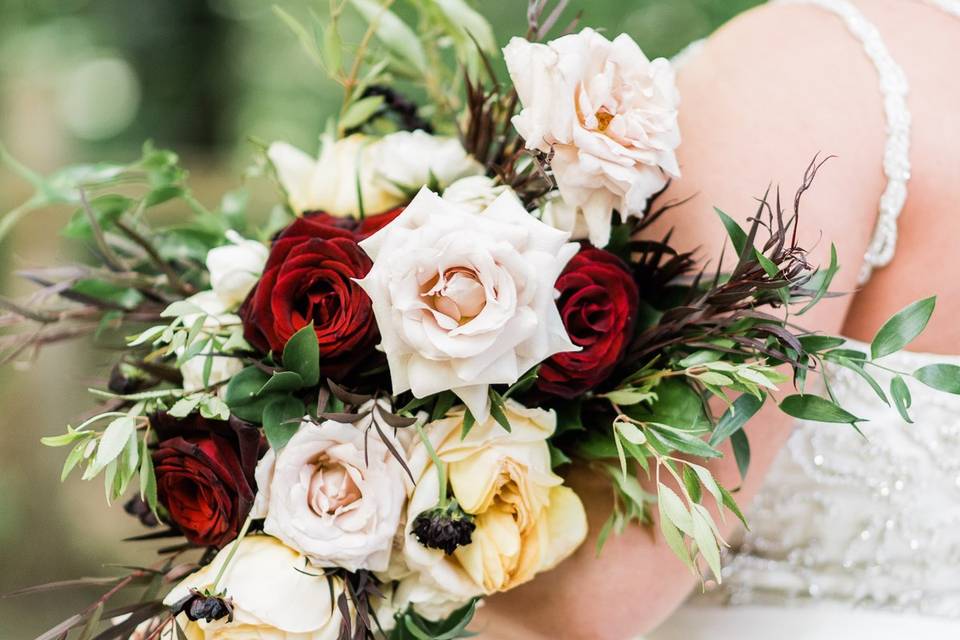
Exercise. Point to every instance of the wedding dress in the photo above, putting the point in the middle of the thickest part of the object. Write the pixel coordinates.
(853, 537)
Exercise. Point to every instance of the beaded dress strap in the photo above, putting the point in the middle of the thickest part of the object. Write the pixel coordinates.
(896, 155)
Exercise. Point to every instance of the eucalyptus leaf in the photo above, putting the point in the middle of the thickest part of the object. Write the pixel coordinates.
(942, 377)
(816, 409)
(394, 33)
(301, 354)
(900, 393)
(280, 420)
(902, 328)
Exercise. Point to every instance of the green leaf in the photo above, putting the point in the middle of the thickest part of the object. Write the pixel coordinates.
(524, 383)
(816, 409)
(741, 451)
(673, 507)
(394, 33)
(360, 111)
(63, 440)
(732, 505)
(942, 377)
(692, 484)
(557, 457)
(281, 382)
(703, 535)
(818, 343)
(734, 418)
(902, 328)
(468, 422)
(900, 393)
(442, 406)
(148, 479)
(497, 411)
(244, 388)
(113, 440)
(303, 35)
(107, 209)
(281, 420)
(737, 235)
(857, 368)
(332, 47)
(75, 456)
(302, 355)
(678, 405)
(823, 280)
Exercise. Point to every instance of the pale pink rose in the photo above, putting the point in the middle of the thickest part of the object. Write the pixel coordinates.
(464, 300)
(334, 493)
(608, 114)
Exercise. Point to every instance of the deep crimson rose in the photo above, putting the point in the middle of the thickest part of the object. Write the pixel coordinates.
(598, 303)
(205, 478)
(309, 278)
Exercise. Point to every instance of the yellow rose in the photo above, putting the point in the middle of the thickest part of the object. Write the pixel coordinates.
(272, 595)
(526, 521)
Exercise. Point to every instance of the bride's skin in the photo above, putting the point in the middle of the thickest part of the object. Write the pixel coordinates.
(772, 88)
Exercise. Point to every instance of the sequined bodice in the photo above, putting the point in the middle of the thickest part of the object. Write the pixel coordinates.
(872, 522)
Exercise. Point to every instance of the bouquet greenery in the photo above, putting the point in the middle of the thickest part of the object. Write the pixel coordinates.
(354, 418)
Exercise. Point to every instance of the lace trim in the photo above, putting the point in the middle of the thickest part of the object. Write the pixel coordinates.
(896, 156)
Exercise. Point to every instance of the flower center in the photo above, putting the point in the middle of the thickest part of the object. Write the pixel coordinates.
(332, 489)
(603, 119)
(456, 293)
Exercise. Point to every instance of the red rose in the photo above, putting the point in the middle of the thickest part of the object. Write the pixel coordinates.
(309, 278)
(598, 303)
(204, 471)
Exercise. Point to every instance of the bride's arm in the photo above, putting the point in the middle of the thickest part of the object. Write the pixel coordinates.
(769, 91)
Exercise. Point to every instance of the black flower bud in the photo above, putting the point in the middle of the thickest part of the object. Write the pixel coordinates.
(203, 606)
(136, 507)
(444, 527)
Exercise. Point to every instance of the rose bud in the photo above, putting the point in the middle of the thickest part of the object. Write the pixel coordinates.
(204, 472)
(444, 528)
(598, 303)
(201, 606)
(309, 277)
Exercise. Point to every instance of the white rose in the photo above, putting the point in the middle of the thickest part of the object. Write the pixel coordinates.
(526, 520)
(223, 367)
(235, 268)
(557, 213)
(273, 596)
(474, 193)
(387, 170)
(408, 160)
(334, 492)
(608, 114)
(466, 300)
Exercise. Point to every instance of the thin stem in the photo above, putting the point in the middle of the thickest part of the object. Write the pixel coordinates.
(145, 244)
(441, 469)
(231, 554)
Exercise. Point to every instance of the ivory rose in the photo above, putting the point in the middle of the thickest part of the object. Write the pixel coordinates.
(387, 170)
(466, 300)
(335, 493)
(526, 520)
(235, 268)
(608, 114)
(272, 594)
(474, 193)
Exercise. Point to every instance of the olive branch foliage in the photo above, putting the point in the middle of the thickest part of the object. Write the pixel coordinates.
(727, 336)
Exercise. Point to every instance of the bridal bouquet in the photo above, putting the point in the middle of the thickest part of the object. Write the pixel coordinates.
(354, 415)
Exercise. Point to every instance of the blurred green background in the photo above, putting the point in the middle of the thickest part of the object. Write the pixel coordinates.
(86, 80)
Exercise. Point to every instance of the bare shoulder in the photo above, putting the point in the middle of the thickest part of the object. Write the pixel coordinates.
(768, 92)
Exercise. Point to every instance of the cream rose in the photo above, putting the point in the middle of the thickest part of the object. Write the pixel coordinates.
(235, 268)
(466, 300)
(526, 520)
(608, 114)
(223, 367)
(474, 193)
(335, 493)
(387, 169)
(272, 595)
